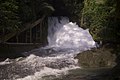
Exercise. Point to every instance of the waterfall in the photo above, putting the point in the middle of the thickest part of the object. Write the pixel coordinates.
(65, 40)
(65, 34)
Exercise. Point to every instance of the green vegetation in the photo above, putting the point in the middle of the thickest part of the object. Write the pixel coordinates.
(17, 16)
(99, 17)
(9, 19)
(74, 8)
(31, 10)
(102, 17)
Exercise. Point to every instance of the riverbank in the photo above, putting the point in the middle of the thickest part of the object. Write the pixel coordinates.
(88, 74)
(105, 56)
(15, 50)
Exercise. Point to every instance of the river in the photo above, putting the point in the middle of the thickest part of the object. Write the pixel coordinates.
(55, 61)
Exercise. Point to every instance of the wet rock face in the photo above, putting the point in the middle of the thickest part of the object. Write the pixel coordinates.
(101, 57)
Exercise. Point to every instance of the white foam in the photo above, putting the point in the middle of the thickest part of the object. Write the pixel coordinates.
(65, 39)
(7, 61)
(46, 66)
(65, 34)
(48, 72)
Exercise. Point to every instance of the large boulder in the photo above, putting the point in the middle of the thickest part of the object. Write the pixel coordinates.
(102, 57)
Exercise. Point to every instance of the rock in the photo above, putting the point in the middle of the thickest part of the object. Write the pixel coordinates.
(101, 57)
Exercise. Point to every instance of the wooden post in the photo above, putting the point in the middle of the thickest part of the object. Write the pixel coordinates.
(26, 36)
(6, 37)
(40, 32)
(36, 34)
(17, 39)
(3, 33)
(30, 35)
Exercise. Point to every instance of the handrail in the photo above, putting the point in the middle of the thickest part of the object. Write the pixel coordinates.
(27, 26)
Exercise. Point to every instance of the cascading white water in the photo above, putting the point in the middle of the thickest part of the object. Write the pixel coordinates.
(65, 40)
(65, 34)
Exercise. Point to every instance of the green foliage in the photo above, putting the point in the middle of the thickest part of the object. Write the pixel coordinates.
(100, 16)
(31, 10)
(14, 13)
(74, 7)
(96, 16)
(9, 20)
(46, 8)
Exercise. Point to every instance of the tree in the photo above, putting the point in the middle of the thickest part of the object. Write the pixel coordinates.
(98, 16)
(9, 19)
(74, 8)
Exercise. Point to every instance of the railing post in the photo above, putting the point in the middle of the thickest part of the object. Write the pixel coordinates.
(30, 35)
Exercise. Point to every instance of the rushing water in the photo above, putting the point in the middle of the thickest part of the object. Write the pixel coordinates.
(65, 39)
